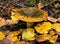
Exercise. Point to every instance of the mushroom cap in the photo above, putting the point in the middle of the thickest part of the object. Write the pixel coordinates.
(29, 14)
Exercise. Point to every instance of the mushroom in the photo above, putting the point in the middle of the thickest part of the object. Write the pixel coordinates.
(29, 14)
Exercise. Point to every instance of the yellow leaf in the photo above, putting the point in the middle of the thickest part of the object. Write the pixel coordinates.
(2, 36)
(28, 34)
(42, 38)
(53, 39)
(56, 26)
(44, 28)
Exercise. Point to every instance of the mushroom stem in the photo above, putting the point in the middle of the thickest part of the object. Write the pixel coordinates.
(29, 24)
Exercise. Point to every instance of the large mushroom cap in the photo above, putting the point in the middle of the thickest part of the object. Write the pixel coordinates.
(29, 14)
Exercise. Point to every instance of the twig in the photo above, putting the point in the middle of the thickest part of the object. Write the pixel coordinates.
(50, 3)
